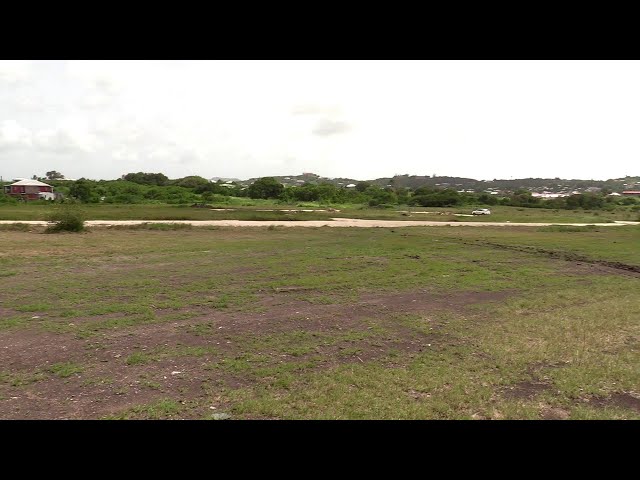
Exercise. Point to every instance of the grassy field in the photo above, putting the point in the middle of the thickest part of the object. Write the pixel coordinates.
(250, 210)
(321, 323)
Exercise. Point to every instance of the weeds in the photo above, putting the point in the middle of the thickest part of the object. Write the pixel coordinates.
(64, 370)
(66, 217)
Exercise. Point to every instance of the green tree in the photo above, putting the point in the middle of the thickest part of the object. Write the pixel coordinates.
(487, 199)
(380, 196)
(362, 186)
(82, 190)
(266, 187)
(437, 198)
(53, 175)
(193, 181)
(141, 178)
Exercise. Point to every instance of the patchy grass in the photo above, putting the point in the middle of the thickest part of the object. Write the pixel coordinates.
(321, 323)
(16, 227)
(161, 409)
(64, 370)
(19, 379)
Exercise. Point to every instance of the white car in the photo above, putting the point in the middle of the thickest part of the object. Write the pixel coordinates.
(481, 211)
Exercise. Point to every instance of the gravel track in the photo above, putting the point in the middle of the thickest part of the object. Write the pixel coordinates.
(334, 222)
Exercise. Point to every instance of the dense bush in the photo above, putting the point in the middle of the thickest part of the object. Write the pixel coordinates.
(191, 182)
(267, 187)
(66, 217)
(135, 188)
(438, 198)
(4, 198)
(147, 178)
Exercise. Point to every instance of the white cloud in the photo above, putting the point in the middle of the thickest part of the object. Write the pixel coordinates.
(14, 71)
(72, 136)
(29, 104)
(56, 141)
(95, 100)
(310, 109)
(14, 136)
(124, 154)
(326, 127)
(339, 118)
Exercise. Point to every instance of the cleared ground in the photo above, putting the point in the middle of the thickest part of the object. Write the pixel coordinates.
(332, 222)
(215, 322)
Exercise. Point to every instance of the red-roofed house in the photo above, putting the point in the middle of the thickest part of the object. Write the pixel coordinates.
(30, 190)
(631, 192)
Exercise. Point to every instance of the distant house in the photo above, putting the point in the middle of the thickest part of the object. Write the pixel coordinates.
(632, 193)
(548, 195)
(30, 190)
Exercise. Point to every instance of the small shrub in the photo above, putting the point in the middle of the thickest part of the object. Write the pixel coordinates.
(8, 199)
(66, 217)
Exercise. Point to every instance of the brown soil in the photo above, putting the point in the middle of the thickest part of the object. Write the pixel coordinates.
(525, 390)
(7, 312)
(108, 385)
(620, 400)
(554, 413)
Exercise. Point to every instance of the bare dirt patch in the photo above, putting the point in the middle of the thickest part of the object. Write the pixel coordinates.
(32, 348)
(553, 413)
(425, 300)
(108, 384)
(620, 400)
(582, 268)
(525, 390)
(538, 367)
(7, 312)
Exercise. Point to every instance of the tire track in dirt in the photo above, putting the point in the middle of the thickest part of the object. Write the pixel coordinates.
(615, 267)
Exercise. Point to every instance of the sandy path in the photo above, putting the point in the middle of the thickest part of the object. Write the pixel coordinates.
(334, 222)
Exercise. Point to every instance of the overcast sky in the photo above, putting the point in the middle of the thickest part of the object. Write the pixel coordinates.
(357, 119)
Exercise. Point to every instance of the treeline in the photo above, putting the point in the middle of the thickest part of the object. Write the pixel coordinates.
(142, 187)
(532, 184)
(586, 201)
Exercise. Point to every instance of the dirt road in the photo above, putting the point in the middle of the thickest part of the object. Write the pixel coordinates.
(334, 222)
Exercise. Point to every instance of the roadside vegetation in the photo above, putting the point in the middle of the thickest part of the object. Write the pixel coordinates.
(268, 210)
(161, 198)
(66, 217)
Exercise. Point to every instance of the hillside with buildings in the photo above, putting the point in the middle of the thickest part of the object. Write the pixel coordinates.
(549, 187)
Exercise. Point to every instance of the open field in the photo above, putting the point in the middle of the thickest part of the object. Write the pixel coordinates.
(252, 211)
(321, 323)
